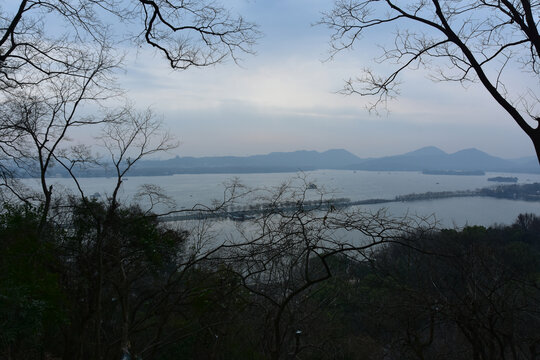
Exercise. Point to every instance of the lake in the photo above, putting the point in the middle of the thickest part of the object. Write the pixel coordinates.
(189, 189)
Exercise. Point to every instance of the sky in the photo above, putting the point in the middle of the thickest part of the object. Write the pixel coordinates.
(285, 97)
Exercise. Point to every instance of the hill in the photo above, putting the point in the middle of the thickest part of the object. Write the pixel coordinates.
(274, 162)
(427, 158)
(432, 158)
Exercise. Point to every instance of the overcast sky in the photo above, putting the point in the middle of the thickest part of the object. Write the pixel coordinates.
(284, 98)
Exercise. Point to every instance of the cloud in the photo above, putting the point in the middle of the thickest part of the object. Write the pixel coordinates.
(284, 98)
(293, 83)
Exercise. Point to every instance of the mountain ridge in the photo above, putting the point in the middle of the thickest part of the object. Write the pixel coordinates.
(431, 159)
(425, 158)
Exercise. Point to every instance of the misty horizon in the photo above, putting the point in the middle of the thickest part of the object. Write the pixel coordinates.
(278, 151)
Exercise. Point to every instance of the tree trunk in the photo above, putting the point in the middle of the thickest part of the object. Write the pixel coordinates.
(535, 137)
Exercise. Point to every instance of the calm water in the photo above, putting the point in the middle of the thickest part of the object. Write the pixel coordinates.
(188, 190)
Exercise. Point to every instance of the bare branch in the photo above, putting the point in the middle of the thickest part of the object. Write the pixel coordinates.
(470, 41)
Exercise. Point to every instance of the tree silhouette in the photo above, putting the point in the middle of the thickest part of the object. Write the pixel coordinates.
(187, 33)
(459, 41)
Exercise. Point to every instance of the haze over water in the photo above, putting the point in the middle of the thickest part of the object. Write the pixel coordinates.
(190, 189)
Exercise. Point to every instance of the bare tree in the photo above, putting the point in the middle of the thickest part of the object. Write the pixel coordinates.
(459, 41)
(194, 32)
(187, 33)
(57, 56)
(36, 122)
(284, 260)
(121, 265)
(31, 52)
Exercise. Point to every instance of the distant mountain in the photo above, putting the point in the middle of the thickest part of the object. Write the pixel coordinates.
(426, 151)
(274, 162)
(432, 158)
(428, 158)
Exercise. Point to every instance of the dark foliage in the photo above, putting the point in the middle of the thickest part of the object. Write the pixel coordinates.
(105, 283)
